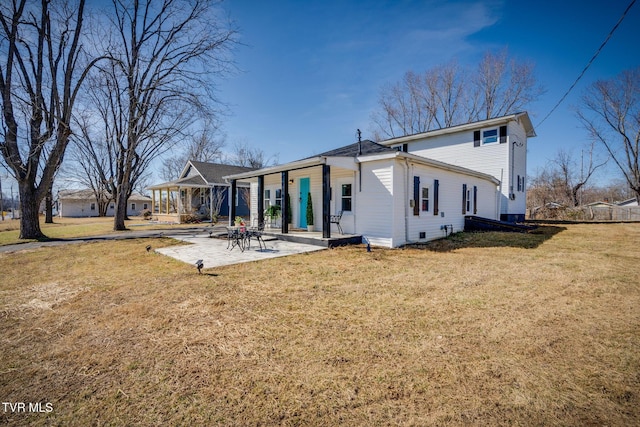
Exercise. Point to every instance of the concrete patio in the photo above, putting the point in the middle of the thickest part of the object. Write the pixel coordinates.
(214, 253)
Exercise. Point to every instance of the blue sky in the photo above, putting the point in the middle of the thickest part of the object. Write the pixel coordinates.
(311, 71)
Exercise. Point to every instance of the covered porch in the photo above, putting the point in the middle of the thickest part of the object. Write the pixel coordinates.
(182, 201)
(281, 196)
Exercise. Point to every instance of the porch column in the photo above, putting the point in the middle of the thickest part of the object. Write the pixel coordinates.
(232, 201)
(326, 201)
(167, 202)
(285, 201)
(261, 200)
(153, 201)
(211, 204)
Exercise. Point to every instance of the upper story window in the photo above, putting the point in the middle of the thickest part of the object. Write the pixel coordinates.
(490, 136)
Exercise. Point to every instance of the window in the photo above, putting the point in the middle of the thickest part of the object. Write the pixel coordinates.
(279, 197)
(133, 206)
(425, 199)
(93, 206)
(267, 199)
(346, 198)
(468, 200)
(145, 206)
(489, 136)
(111, 206)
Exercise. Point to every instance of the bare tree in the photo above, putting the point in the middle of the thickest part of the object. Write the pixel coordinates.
(573, 179)
(252, 157)
(204, 146)
(448, 95)
(165, 56)
(610, 111)
(39, 82)
(563, 180)
(91, 162)
(505, 86)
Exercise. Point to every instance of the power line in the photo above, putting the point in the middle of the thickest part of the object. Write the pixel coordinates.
(615, 27)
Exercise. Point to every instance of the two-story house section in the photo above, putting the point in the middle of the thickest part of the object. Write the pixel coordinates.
(497, 147)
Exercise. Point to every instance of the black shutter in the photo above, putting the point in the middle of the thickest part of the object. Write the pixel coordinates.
(476, 138)
(503, 134)
(464, 199)
(416, 195)
(405, 148)
(436, 188)
(475, 200)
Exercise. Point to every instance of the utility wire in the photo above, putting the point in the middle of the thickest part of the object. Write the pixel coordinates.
(615, 27)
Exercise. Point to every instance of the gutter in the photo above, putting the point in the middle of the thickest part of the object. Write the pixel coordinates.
(300, 164)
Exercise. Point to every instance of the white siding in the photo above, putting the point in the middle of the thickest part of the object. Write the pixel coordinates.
(386, 216)
(504, 161)
(375, 203)
(75, 208)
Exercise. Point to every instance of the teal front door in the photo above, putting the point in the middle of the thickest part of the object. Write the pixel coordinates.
(304, 194)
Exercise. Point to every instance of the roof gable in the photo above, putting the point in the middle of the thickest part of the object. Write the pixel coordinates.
(212, 173)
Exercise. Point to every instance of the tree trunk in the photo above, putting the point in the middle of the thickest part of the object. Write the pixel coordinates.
(29, 215)
(48, 207)
(121, 211)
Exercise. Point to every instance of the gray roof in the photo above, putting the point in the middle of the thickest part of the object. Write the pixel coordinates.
(213, 172)
(85, 194)
(358, 149)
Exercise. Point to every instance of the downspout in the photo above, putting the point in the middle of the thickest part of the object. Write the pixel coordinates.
(499, 201)
(406, 202)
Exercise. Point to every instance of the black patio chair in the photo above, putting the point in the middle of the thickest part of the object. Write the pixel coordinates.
(256, 233)
(335, 219)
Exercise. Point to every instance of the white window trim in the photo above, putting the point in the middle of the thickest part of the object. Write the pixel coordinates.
(338, 198)
(483, 137)
(428, 198)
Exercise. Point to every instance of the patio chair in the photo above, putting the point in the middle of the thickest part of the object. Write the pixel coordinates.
(335, 219)
(236, 237)
(256, 233)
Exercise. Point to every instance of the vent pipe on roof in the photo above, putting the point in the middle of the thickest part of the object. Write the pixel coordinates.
(359, 141)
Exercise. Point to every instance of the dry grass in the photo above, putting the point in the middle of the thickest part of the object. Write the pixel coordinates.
(482, 329)
(64, 228)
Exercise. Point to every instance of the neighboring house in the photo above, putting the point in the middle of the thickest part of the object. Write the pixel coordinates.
(497, 147)
(392, 193)
(629, 202)
(83, 203)
(599, 205)
(200, 192)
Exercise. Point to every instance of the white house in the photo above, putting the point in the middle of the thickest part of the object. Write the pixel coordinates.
(83, 203)
(497, 147)
(396, 192)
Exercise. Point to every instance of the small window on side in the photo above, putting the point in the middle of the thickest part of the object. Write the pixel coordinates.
(425, 199)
